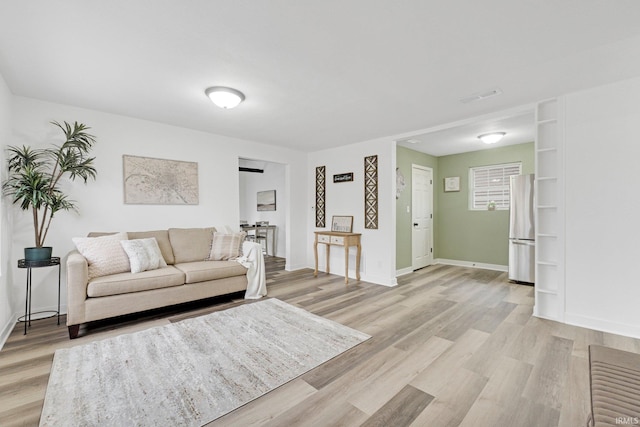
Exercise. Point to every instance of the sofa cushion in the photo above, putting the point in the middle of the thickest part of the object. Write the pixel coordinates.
(226, 246)
(191, 244)
(124, 283)
(144, 254)
(202, 271)
(162, 237)
(104, 254)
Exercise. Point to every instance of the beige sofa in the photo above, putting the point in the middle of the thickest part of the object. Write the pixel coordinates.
(188, 276)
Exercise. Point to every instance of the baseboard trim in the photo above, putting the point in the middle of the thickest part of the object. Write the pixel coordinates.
(540, 314)
(377, 280)
(295, 267)
(403, 271)
(6, 330)
(496, 267)
(627, 330)
(444, 261)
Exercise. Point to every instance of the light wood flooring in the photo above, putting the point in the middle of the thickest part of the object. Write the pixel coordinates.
(450, 346)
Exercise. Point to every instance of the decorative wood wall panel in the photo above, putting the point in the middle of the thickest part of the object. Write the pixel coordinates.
(321, 182)
(371, 192)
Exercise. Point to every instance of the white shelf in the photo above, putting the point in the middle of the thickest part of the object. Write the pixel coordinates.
(549, 169)
(547, 110)
(553, 264)
(547, 150)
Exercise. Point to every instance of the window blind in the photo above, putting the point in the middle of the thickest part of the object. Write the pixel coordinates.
(491, 184)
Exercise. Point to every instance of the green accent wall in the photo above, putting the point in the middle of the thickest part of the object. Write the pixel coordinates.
(404, 159)
(459, 233)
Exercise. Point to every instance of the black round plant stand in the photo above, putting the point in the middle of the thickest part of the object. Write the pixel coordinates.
(29, 265)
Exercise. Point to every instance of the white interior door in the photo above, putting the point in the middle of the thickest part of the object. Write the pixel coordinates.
(422, 216)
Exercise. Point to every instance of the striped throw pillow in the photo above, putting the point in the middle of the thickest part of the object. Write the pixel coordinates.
(226, 246)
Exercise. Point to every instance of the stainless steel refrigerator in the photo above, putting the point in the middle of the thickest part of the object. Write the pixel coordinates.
(521, 229)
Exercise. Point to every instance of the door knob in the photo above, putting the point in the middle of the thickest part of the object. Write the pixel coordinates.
(415, 224)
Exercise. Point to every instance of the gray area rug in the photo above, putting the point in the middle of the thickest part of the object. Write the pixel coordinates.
(191, 372)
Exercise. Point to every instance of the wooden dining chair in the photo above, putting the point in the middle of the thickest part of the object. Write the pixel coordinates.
(261, 235)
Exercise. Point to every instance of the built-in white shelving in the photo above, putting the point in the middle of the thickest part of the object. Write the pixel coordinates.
(549, 187)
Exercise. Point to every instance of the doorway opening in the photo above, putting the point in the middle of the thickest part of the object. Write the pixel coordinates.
(461, 236)
(263, 202)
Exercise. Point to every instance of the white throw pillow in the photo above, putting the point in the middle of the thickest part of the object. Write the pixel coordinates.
(104, 254)
(226, 246)
(144, 254)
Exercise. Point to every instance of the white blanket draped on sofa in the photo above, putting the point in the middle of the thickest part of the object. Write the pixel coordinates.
(253, 259)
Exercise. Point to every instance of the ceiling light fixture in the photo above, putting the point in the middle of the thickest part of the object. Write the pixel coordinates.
(491, 138)
(224, 97)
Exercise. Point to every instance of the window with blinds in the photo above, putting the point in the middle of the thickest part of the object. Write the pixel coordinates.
(490, 185)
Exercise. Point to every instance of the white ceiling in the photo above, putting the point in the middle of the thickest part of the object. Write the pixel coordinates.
(463, 137)
(316, 73)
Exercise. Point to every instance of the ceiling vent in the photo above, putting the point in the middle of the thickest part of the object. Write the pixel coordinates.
(481, 95)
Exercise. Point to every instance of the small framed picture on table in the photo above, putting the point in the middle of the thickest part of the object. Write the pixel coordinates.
(343, 224)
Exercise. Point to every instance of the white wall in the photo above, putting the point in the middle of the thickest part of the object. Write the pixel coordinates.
(603, 208)
(273, 178)
(347, 198)
(7, 316)
(101, 202)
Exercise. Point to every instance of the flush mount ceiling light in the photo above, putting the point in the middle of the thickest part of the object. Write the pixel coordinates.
(224, 97)
(491, 138)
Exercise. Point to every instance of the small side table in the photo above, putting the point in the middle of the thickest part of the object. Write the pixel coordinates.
(29, 265)
(338, 238)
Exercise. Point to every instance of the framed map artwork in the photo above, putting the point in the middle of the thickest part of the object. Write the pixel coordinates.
(150, 181)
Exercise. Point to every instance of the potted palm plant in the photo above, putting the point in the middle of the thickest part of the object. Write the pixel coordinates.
(34, 177)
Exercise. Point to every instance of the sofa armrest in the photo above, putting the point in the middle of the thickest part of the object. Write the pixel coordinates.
(77, 280)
